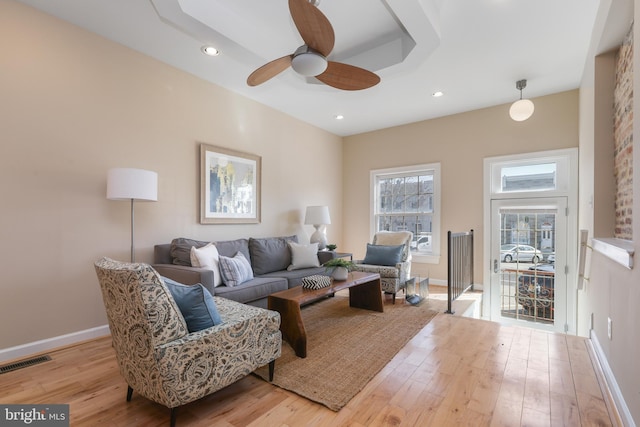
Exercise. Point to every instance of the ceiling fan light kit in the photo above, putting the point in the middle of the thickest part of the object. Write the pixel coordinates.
(522, 109)
(310, 60)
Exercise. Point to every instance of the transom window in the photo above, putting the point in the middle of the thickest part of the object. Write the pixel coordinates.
(408, 199)
(522, 174)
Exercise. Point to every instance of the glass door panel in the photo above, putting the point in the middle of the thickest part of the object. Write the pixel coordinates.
(528, 236)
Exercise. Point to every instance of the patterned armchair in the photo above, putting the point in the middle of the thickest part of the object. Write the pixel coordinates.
(159, 358)
(393, 275)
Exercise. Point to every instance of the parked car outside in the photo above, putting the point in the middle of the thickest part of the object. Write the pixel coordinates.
(551, 258)
(524, 253)
(421, 244)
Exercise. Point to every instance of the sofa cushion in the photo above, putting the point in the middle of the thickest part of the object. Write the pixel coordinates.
(235, 270)
(162, 254)
(181, 250)
(383, 254)
(270, 254)
(230, 248)
(196, 305)
(303, 256)
(294, 277)
(207, 257)
(256, 289)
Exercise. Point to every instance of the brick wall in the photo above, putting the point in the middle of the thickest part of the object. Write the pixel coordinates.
(623, 138)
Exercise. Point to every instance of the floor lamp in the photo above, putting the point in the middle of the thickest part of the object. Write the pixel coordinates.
(132, 184)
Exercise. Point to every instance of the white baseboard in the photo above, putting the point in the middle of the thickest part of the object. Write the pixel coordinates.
(41, 346)
(616, 393)
(445, 282)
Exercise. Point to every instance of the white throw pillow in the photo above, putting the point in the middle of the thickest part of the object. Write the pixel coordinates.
(207, 257)
(303, 256)
(235, 271)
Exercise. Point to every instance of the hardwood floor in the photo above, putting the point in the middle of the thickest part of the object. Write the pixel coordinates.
(456, 371)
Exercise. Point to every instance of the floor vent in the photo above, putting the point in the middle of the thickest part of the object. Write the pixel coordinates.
(23, 364)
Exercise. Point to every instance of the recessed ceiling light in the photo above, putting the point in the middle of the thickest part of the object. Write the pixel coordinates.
(339, 117)
(437, 94)
(210, 50)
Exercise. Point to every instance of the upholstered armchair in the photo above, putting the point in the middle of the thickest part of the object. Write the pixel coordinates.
(157, 355)
(390, 256)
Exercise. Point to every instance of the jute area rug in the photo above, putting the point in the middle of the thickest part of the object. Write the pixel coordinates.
(346, 347)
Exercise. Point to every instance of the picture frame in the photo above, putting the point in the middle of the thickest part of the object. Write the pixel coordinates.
(229, 186)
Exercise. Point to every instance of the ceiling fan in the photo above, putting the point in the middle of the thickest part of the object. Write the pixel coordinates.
(310, 59)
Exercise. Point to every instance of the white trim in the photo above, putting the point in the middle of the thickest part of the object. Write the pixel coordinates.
(35, 347)
(563, 159)
(620, 251)
(616, 393)
(567, 176)
(436, 282)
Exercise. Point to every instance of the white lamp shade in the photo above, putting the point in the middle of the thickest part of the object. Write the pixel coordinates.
(317, 215)
(129, 183)
(521, 110)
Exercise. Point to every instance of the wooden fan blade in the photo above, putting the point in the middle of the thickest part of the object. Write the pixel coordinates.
(269, 70)
(348, 77)
(313, 26)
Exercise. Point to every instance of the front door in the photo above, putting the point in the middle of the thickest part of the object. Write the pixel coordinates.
(528, 241)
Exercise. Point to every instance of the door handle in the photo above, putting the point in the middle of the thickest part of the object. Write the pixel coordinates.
(495, 266)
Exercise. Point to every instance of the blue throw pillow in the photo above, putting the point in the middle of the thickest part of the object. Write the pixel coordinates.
(383, 254)
(196, 305)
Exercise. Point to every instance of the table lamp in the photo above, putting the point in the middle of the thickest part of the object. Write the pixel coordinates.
(319, 217)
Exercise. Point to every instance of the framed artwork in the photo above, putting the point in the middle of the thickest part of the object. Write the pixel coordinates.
(229, 186)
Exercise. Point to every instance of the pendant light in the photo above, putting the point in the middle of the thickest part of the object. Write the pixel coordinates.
(522, 109)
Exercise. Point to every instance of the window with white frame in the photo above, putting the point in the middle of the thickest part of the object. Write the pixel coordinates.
(408, 198)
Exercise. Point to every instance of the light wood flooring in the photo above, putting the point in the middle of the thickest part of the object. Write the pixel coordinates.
(456, 371)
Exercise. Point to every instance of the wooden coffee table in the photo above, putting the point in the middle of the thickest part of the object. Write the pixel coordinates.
(364, 292)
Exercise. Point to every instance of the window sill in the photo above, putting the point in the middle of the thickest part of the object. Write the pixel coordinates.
(618, 250)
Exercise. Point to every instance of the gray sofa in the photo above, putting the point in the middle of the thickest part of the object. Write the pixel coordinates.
(269, 258)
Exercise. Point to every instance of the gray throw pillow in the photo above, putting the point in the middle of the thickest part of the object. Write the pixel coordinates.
(230, 248)
(383, 254)
(181, 250)
(270, 254)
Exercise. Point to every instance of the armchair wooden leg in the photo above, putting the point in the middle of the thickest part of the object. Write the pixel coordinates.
(129, 393)
(272, 366)
(394, 298)
(174, 413)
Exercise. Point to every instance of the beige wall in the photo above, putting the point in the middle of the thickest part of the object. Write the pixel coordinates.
(73, 105)
(611, 291)
(460, 143)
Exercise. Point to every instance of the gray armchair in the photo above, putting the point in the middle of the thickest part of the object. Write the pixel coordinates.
(157, 355)
(394, 268)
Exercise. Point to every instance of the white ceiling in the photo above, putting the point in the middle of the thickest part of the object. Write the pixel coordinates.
(472, 50)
